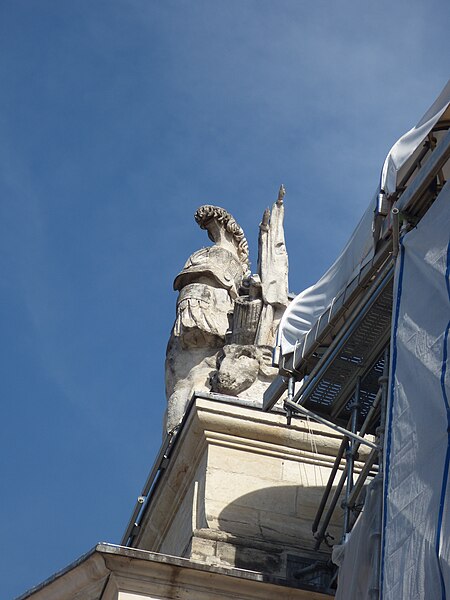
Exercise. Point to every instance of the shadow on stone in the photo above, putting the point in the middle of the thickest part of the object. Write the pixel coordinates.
(270, 531)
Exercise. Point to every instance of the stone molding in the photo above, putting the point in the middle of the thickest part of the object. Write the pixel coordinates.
(240, 486)
(112, 572)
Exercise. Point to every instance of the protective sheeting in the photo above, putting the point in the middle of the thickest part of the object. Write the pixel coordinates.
(306, 308)
(310, 304)
(416, 523)
(358, 558)
(398, 158)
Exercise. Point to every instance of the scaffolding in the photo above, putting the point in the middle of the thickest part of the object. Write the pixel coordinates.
(338, 372)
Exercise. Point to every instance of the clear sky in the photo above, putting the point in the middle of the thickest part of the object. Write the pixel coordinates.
(118, 118)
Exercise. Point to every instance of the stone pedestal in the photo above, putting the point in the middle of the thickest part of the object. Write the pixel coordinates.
(229, 517)
(241, 489)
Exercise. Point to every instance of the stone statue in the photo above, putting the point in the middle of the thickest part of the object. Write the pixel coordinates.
(245, 364)
(208, 285)
(224, 332)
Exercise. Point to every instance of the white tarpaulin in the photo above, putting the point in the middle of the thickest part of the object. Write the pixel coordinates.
(407, 144)
(358, 577)
(309, 305)
(416, 523)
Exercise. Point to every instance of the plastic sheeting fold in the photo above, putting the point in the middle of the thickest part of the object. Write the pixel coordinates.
(416, 523)
(405, 147)
(310, 304)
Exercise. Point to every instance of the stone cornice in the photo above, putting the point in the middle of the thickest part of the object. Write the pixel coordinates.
(109, 569)
(216, 423)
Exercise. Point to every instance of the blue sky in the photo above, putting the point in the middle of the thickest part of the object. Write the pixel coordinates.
(118, 119)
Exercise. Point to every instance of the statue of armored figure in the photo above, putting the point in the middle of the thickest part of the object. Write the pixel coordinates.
(226, 318)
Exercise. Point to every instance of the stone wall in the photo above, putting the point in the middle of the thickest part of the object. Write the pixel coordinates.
(241, 490)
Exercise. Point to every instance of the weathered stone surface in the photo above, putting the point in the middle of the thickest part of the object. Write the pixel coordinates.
(186, 372)
(240, 489)
(273, 271)
(238, 369)
(207, 285)
(247, 312)
(243, 370)
(225, 326)
(202, 315)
